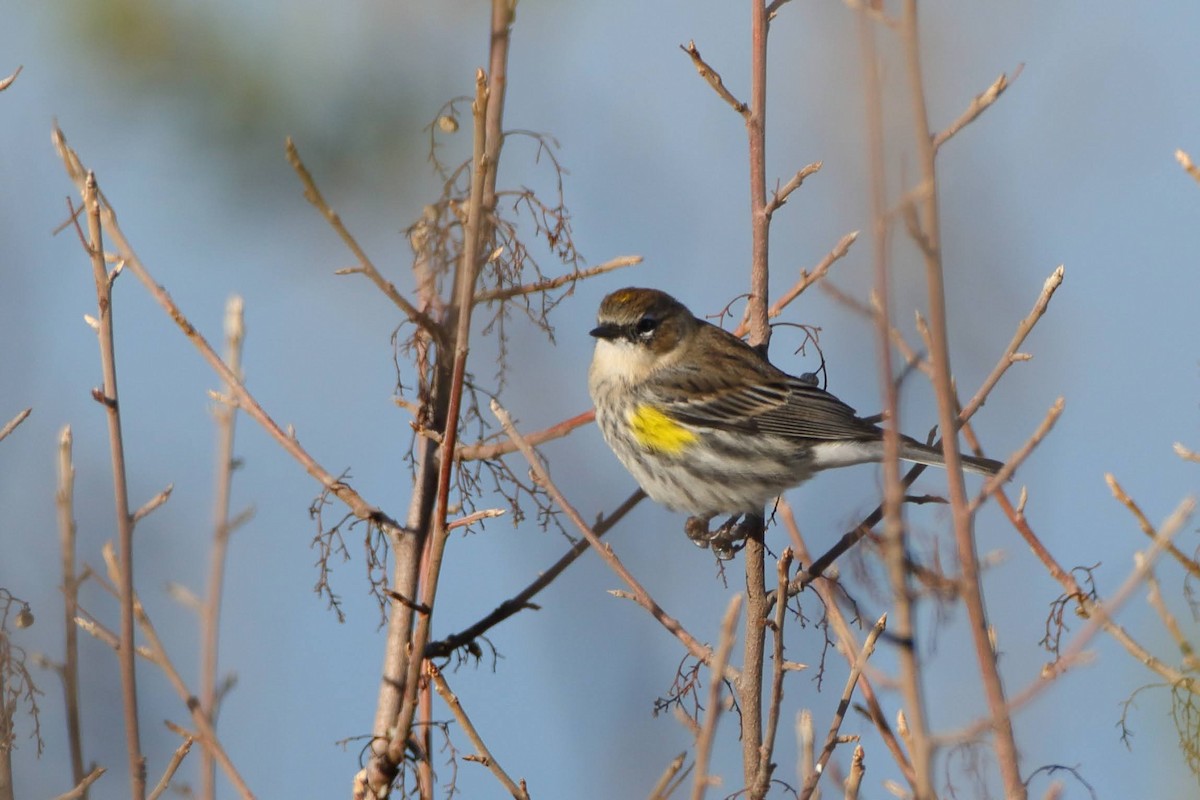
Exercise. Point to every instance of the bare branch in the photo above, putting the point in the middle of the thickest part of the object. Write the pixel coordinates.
(12, 424)
(238, 391)
(522, 599)
(177, 758)
(225, 416)
(638, 592)
(659, 792)
(471, 519)
(1186, 454)
(81, 788)
(1099, 616)
(1006, 472)
(157, 653)
(6, 82)
(714, 79)
(1147, 527)
(780, 195)
(125, 520)
(153, 503)
(831, 738)
(702, 780)
(1009, 357)
(1185, 161)
(979, 104)
(548, 284)
(484, 452)
(313, 195)
(485, 756)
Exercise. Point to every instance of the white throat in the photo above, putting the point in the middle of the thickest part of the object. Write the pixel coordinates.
(619, 360)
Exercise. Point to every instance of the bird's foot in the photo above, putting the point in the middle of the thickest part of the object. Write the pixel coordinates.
(725, 541)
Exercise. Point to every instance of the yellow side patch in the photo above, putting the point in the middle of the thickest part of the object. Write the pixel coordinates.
(654, 430)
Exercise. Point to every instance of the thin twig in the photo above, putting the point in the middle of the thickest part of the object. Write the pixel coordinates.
(485, 452)
(714, 79)
(848, 646)
(1088, 607)
(547, 284)
(157, 653)
(125, 522)
(894, 486)
(702, 780)
(928, 237)
(778, 667)
(523, 599)
(313, 195)
(835, 725)
(65, 501)
(780, 195)
(1186, 453)
(485, 756)
(225, 415)
(638, 593)
(980, 103)
(245, 400)
(1100, 616)
(5, 83)
(81, 787)
(1124, 499)
(148, 507)
(12, 424)
(857, 770)
(471, 519)
(805, 280)
(659, 792)
(177, 758)
(998, 480)
(1009, 357)
(1186, 162)
(1169, 620)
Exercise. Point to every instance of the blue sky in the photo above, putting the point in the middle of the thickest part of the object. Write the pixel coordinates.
(1073, 166)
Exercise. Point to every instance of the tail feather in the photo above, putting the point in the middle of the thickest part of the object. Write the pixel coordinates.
(844, 453)
(912, 450)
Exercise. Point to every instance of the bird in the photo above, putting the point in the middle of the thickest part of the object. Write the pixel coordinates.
(708, 426)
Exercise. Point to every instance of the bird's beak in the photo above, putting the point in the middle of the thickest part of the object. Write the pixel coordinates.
(606, 331)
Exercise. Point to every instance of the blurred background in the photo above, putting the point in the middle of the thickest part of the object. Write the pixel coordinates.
(182, 110)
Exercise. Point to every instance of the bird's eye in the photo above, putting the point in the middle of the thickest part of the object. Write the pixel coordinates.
(646, 326)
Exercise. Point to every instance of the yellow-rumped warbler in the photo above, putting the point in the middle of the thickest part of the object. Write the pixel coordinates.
(708, 426)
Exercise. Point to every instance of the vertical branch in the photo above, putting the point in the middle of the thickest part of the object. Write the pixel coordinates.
(702, 780)
(895, 540)
(65, 499)
(225, 413)
(760, 218)
(751, 683)
(108, 398)
(419, 552)
(928, 234)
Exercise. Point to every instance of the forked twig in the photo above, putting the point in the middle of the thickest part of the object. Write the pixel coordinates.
(484, 755)
(244, 398)
(831, 738)
(313, 195)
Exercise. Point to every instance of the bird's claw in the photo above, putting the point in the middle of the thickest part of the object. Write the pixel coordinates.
(725, 541)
